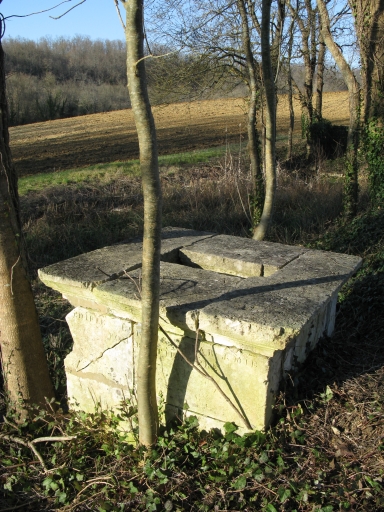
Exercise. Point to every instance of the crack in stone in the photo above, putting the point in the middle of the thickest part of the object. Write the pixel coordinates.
(102, 354)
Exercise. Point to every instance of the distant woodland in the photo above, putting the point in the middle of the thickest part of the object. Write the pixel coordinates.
(57, 78)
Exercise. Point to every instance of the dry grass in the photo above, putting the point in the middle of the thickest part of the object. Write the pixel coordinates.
(67, 220)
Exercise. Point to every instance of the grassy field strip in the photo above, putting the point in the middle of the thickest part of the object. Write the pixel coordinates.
(110, 171)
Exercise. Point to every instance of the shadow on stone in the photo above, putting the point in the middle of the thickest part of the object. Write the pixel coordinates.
(178, 381)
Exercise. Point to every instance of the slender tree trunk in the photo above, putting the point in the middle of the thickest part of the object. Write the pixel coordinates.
(351, 172)
(369, 23)
(257, 197)
(137, 86)
(270, 124)
(22, 353)
(309, 54)
(290, 94)
(320, 78)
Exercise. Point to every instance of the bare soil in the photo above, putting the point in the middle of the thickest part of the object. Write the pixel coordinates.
(111, 136)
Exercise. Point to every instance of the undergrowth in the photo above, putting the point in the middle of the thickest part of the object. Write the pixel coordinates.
(325, 450)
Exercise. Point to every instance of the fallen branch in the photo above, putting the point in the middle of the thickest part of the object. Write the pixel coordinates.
(30, 444)
(53, 439)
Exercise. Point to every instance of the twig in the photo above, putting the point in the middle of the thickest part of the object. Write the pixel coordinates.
(29, 445)
(53, 439)
(13, 266)
(137, 284)
(8, 422)
(203, 372)
(66, 12)
(119, 13)
(30, 463)
(38, 12)
(151, 56)
(76, 500)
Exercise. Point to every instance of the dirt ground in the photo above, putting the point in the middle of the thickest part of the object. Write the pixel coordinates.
(111, 136)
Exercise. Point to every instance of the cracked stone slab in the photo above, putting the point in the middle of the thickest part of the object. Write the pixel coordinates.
(239, 256)
(79, 275)
(272, 311)
(184, 291)
(102, 345)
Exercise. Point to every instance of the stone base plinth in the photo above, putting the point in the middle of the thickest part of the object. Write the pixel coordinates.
(242, 312)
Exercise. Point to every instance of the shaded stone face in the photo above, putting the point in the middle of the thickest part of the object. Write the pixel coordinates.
(242, 312)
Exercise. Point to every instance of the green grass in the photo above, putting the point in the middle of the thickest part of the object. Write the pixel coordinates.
(114, 170)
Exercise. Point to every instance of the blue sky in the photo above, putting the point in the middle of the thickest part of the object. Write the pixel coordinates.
(94, 18)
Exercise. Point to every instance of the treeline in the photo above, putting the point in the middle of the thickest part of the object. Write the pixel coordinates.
(57, 78)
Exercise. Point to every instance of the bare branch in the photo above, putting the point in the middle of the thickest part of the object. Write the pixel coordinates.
(151, 56)
(119, 13)
(29, 445)
(52, 439)
(66, 12)
(38, 12)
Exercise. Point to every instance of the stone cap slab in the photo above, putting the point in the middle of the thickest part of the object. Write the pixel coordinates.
(184, 291)
(274, 309)
(79, 275)
(252, 311)
(239, 256)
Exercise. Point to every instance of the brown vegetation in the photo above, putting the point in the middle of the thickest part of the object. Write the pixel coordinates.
(111, 136)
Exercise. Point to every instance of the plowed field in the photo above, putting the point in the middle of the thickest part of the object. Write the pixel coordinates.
(111, 136)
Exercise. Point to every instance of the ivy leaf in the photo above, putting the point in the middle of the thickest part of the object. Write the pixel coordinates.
(240, 483)
(284, 494)
(132, 488)
(263, 458)
(230, 427)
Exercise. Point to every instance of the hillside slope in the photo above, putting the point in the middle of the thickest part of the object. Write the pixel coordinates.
(111, 136)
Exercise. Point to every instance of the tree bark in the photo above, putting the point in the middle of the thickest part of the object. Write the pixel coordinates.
(270, 124)
(23, 358)
(351, 173)
(145, 126)
(257, 197)
(320, 78)
(369, 23)
(309, 53)
(290, 93)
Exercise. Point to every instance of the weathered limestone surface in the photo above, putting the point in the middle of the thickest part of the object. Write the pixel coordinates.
(100, 368)
(248, 311)
(244, 259)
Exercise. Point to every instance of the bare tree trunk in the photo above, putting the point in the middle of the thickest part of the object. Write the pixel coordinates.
(290, 94)
(309, 54)
(320, 78)
(23, 358)
(257, 197)
(369, 23)
(351, 173)
(137, 86)
(270, 124)
(375, 72)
